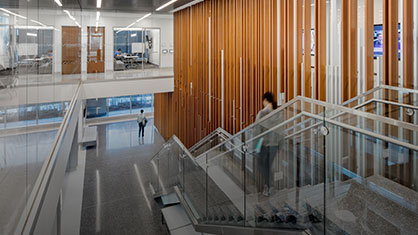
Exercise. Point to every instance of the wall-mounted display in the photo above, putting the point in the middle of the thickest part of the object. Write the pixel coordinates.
(378, 40)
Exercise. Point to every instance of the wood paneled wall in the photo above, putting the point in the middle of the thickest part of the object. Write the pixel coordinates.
(246, 32)
(390, 42)
(408, 41)
(291, 48)
(349, 53)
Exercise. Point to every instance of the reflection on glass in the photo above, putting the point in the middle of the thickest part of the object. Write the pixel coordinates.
(145, 102)
(103, 107)
(34, 50)
(136, 48)
(119, 105)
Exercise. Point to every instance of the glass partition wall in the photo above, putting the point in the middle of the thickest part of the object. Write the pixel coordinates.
(31, 52)
(136, 48)
(114, 106)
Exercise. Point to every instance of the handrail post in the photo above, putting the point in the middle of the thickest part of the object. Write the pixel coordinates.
(243, 163)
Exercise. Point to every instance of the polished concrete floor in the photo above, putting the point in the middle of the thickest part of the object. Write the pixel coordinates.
(117, 197)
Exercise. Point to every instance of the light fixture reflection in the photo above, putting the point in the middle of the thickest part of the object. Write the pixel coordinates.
(165, 5)
(58, 2)
(12, 13)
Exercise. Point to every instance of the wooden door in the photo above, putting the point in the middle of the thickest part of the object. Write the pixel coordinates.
(96, 50)
(71, 50)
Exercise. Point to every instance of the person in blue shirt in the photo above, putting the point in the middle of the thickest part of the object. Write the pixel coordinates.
(118, 54)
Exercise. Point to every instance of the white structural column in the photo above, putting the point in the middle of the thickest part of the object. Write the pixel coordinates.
(334, 55)
(222, 89)
(415, 173)
(279, 100)
(209, 71)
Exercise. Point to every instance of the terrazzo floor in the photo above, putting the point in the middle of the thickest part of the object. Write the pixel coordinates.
(117, 197)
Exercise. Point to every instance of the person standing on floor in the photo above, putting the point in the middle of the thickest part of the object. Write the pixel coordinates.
(266, 146)
(142, 121)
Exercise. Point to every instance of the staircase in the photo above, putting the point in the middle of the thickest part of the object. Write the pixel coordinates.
(329, 173)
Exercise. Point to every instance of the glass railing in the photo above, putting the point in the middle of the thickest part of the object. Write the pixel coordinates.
(309, 166)
(388, 101)
(36, 209)
(216, 137)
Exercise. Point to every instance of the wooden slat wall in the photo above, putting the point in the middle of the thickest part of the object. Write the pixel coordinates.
(307, 41)
(408, 41)
(349, 46)
(369, 47)
(242, 29)
(320, 49)
(390, 42)
(247, 30)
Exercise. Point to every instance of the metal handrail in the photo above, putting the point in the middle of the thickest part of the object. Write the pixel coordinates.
(343, 109)
(327, 105)
(337, 123)
(386, 102)
(41, 185)
(217, 131)
(294, 100)
(380, 87)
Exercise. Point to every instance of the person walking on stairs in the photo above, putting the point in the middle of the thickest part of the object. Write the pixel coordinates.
(266, 146)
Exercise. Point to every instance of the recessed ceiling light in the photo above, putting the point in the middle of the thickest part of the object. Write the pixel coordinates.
(97, 15)
(12, 13)
(165, 5)
(58, 2)
(145, 16)
(69, 15)
(37, 22)
(32, 34)
(99, 4)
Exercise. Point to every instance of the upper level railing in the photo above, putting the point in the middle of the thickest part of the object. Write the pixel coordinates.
(40, 212)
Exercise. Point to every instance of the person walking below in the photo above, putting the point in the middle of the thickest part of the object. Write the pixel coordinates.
(142, 121)
(266, 144)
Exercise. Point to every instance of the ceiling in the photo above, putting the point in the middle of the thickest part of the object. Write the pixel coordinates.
(107, 5)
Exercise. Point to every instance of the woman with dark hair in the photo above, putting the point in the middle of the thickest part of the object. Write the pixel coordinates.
(267, 143)
(268, 105)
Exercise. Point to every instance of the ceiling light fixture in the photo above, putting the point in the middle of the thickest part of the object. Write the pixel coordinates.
(58, 2)
(130, 25)
(133, 35)
(37, 22)
(97, 15)
(127, 29)
(165, 5)
(32, 34)
(12, 13)
(69, 15)
(145, 16)
(34, 27)
(99, 4)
